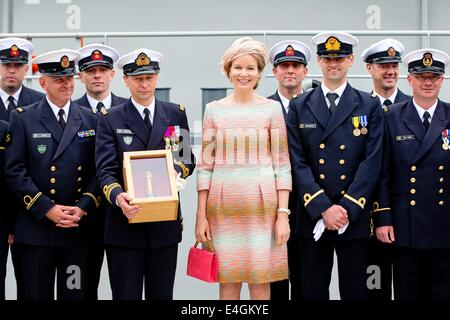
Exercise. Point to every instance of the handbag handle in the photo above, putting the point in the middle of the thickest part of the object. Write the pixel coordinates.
(208, 245)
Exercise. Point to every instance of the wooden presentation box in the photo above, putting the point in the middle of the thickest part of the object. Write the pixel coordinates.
(150, 181)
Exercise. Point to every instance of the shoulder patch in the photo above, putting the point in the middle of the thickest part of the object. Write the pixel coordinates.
(20, 109)
(385, 108)
(181, 108)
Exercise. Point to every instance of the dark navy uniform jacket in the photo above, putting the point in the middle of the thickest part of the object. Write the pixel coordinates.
(400, 97)
(293, 195)
(121, 125)
(46, 166)
(5, 211)
(115, 101)
(414, 191)
(330, 164)
(27, 96)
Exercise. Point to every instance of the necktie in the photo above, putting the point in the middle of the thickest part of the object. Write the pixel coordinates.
(147, 120)
(332, 98)
(426, 119)
(387, 102)
(61, 120)
(100, 105)
(11, 104)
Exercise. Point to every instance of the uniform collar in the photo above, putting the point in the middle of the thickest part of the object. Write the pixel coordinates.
(56, 109)
(391, 98)
(421, 111)
(93, 102)
(4, 96)
(140, 108)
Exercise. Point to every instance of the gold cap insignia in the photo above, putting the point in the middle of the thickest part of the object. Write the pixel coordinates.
(142, 60)
(391, 52)
(427, 59)
(14, 51)
(332, 44)
(96, 55)
(289, 51)
(65, 63)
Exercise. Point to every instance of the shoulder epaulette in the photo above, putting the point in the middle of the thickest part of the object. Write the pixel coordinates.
(181, 107)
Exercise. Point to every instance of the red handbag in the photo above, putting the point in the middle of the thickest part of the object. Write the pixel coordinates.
(202, 264)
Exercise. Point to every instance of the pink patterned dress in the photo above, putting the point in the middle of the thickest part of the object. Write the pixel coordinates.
(244, 161)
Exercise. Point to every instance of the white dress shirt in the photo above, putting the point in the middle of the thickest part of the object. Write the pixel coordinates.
(140, 108)
(4, 96)
(339, 91)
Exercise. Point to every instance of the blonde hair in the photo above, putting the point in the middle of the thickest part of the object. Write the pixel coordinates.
(241, 47)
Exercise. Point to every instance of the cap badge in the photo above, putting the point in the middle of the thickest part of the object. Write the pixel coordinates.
(14, 51)
(289, 51)
(427, 59)
(142, 60)
(65, 63)
(96, 55)
(332, 44)
(391, 52)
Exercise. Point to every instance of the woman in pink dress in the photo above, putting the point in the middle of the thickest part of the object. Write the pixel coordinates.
(244, 179)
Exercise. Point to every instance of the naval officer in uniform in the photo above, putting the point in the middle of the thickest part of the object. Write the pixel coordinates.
(96, 66)
(382, 62)
(50, 168)
(143, 123)
(289, 59)
(412, 214)
(14, 57)
(335, 139)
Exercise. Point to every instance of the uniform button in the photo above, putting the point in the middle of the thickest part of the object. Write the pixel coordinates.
(441, 191)
(322, 176)
(79, 168)
(440, 168)
(413, 180)
(441, 179)
(341, 162)
(52, 180)
(321, 161)
(343, 177)
(322, 146)
(342, 147)
(413, 168)
(79, 179)
(441, 203)
(343, 192)
(412, 202)
(413, 191)
(79, 189)
(52, 191)
(53, 168)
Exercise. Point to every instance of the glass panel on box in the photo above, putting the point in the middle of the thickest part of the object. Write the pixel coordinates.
(150, 177)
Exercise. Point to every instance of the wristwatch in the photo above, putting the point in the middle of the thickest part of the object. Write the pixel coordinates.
(284, 211)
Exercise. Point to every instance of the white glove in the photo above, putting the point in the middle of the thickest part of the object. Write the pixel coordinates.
(180, 182)
(320, 228)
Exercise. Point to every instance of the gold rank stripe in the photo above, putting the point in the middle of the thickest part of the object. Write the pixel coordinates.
(108, 188)
(96, 200)
(376, 208)
(307, 198)
(361, 202)
(184, 168)
(30, 201)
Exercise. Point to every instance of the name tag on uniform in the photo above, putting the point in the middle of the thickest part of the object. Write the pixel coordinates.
(307, 125)
(124, 131)
(41, 135)
(408, 137)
